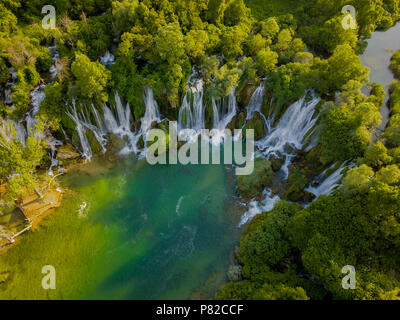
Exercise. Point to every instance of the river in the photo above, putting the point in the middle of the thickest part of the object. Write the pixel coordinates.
(377, 55)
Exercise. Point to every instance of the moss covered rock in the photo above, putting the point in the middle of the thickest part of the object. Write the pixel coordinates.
(277, 162)
(67, 152)
(257, 124)
(115, 142)
(253, 185)
(297, 183)
(245, 92)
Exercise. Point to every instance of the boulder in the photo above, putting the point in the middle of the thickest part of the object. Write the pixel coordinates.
(67, 152)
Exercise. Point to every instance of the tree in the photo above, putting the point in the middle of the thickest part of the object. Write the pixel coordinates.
(279, 292)
(377, 155)
(235, 12)
(19, 160)
(266, 242)
(269, 28)
(8, 21)
(4, 72)
(169, 43)
(358, 179)
(196, 43)
(289, 81)
(284, 39)
(389, 174)
(92, 78)
(342, 66)
(231, 42)
(395, 64)
(255, 43)
(266, 60)
(225, 80)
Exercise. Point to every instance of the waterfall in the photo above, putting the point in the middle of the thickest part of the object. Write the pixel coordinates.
(121, 125)
(289, 135)
(55, 56)
(329, 183)
(108, 59)
(80, 129)
(228, 112)
(37, 96)
(255, 105)
(152, 114)
(20, 131)
(256, 101)
(192, 115)
(231, 111)
(285, 139)
(118, 123)
(257, 207)
(53, 144)
(215, 114)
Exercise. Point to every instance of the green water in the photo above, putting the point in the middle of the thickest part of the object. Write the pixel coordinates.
(147, 232)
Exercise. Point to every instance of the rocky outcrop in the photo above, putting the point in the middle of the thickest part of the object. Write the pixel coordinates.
(67, 152)
(253, 185)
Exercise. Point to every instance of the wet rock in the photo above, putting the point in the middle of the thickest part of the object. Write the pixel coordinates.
(67, 152)
(308, 196)
(257, 124)
(277, 162)
(115, 142)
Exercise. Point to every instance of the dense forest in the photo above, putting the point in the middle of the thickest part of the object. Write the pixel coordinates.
(296, 47)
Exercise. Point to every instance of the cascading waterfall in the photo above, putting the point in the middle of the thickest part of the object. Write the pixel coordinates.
(119, 124)
(55, 56)
(328, 184)
(290, 133)
(20, 131)
(256, 101)
(36, 96)
(81, 131)
(192, 111)
(227, 117)
(256, 207)
(9, 86)
(108, 59)
(53, 144)
(228, 112)
(152, 113)
(192, 115)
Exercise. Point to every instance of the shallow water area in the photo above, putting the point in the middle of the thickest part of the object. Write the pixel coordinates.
(128, 230)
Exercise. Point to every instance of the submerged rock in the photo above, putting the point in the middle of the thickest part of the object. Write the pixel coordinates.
(115, 142)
